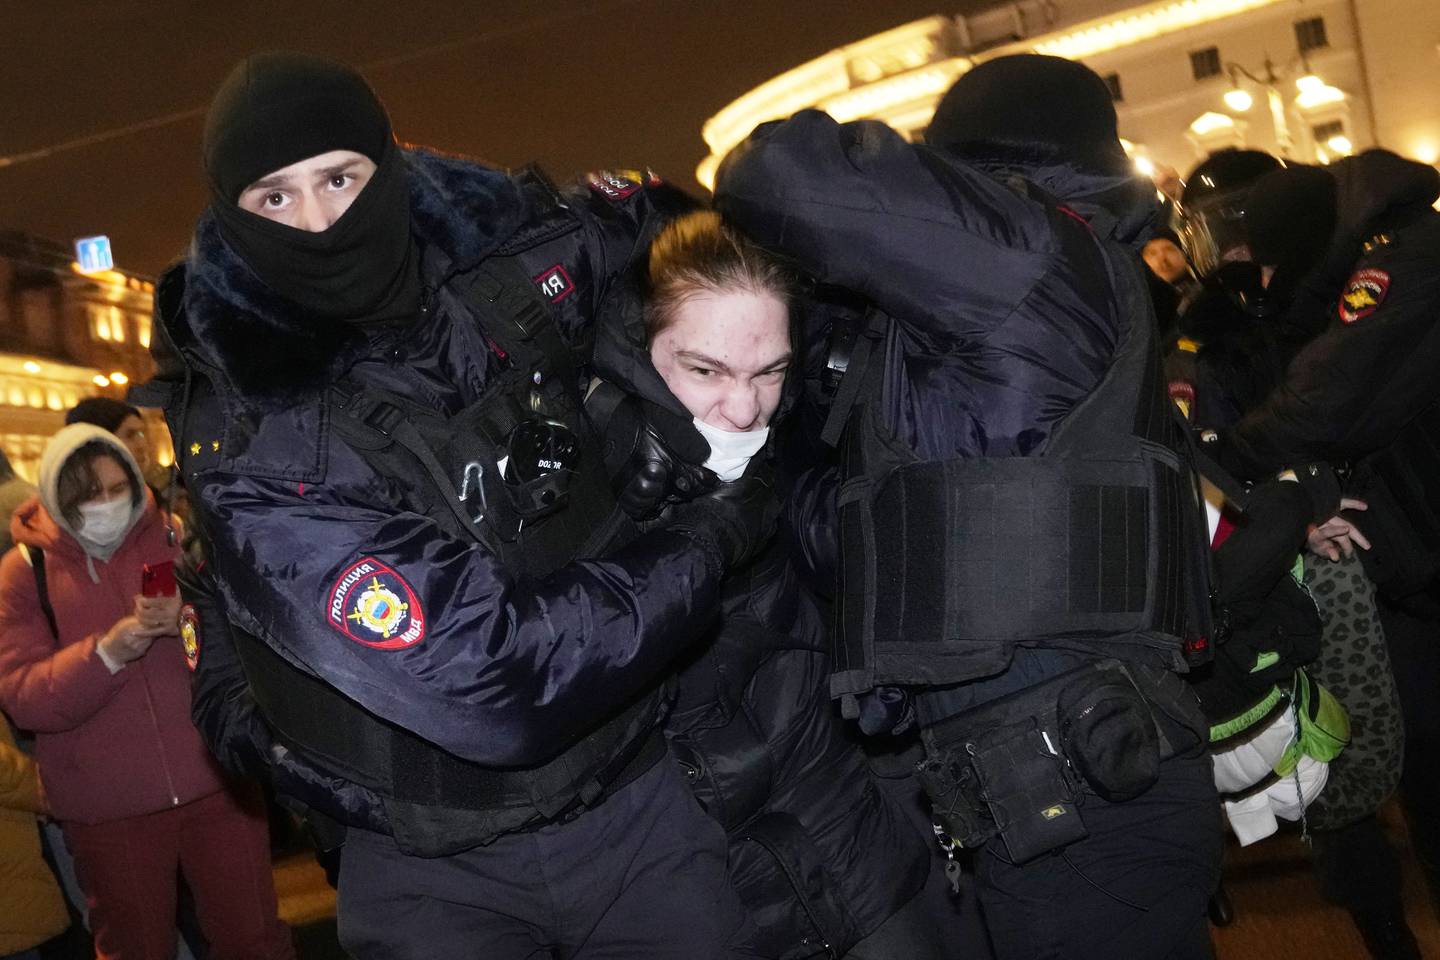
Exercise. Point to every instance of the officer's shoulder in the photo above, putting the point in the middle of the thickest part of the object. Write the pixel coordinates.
(627, 195)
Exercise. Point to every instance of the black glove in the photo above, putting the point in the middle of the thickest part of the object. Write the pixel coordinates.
(653, 458)
(738, 517)
(1321, 482)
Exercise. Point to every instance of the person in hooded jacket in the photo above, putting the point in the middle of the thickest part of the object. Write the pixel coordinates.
(106, 691)
(1001, 260)
(372, 362)
(825, 862)
(1362, 395)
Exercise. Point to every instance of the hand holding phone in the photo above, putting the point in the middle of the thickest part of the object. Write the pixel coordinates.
(158, 579)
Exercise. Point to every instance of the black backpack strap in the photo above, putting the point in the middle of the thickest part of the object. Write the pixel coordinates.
(851, 345)
(390, 422)
(36, 558)
(518, 318)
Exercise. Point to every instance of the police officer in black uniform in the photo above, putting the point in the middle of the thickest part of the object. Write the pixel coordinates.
(371, 363)
(1363, 395)
(1018, 534)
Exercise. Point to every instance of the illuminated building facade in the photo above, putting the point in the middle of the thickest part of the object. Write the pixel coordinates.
(1307, 79)
(65, 336)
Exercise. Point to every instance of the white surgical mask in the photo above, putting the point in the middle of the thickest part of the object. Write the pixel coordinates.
(105, 524)
(730, 452)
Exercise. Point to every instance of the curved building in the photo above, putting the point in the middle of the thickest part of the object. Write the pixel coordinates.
(1306, 79)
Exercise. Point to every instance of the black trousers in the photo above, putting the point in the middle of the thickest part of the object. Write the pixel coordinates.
(1135, 887)
(641, 875)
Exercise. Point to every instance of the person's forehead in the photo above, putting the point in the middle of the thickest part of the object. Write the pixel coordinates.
(330, 160)
(728, 314)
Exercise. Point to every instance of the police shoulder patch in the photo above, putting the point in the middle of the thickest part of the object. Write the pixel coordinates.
(374, 606)
(1363, 294)
(611, 186)
(190, 636)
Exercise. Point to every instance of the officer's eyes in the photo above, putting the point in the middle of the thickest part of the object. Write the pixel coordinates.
(702, 371)
(274, 200)
(341, 180)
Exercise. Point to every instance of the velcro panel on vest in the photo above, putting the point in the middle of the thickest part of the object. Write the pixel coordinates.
(976, 554)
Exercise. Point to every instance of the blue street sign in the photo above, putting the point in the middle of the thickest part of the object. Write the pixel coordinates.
(94, 254)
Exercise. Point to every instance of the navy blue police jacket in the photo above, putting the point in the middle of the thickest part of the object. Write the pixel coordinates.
(492, 666)
(1005, 308)
(1371, 370)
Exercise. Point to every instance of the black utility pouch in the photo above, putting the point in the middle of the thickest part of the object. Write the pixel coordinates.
(1023, 781)
(954, 791)
(1108, 732)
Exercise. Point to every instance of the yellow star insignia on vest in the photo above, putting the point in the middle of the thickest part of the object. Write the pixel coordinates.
(215, 446)
(194, 449)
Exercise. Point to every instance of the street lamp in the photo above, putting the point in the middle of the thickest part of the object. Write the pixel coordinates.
(1240, 100)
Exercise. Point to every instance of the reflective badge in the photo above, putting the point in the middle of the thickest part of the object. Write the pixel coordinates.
(611, 186)
(190, 636)
(555, 284)
(1363, 294)
(373, 605)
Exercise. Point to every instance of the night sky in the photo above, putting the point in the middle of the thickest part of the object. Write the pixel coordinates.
(574, 85)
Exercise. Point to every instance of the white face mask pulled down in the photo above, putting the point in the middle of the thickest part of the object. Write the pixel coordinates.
(730, 452)
(105, 524)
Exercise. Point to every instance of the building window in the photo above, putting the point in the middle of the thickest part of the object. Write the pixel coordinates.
(1310, 34)
(1117, 93)
(107, 322)
(1205, 63)
(142, 330)
(1324, 131)
(99, 318)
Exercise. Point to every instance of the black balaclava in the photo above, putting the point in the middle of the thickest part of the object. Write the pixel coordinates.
(1052, 122)
(279, 108)
(1027, 102)
(1290, 217)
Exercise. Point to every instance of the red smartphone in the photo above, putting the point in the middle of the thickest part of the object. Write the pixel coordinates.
(158, 579)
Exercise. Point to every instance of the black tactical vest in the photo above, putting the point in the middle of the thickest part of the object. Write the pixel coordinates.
(1095, 545)
(437, 803)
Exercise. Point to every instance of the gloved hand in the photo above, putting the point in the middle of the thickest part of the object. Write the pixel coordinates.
(653, 458)
(738, 517)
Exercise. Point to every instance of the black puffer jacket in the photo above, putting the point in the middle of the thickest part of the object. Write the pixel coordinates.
(491, 664)
(1007, 280)
(820, 856)
(1372, 371)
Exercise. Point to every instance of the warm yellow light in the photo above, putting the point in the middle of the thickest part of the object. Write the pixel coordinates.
(31, 366)
(1426, 151)
(1145, 166)
(120, 378)
(100, 380)
(1319, 96)
(1157, 20)
(1309, 83)
(1209, 122)
(113, 277)
(1340, 145)
(875, 98)
(1238, 100)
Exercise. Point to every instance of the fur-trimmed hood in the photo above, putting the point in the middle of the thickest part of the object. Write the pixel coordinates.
(268, 349)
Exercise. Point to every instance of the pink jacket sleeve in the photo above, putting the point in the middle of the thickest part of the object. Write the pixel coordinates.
(44, 686)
